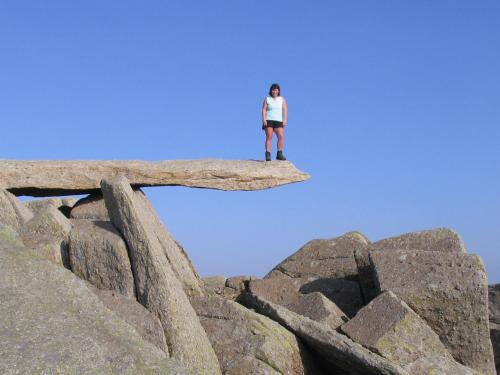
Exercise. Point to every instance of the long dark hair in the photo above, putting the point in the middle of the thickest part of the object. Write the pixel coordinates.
(274, 86)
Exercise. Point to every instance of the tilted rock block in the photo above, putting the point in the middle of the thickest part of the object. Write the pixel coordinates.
(313, 305)
(50, 322)
(329, 267)
(99, 255)
(248, 343)
(440, 239)
(12, 211)
(449, 291)
(66, 177)
(387, 326)
(131, 311)
(339, 351)
(157, 286)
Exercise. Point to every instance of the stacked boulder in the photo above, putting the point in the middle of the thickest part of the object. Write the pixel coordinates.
(100, 286)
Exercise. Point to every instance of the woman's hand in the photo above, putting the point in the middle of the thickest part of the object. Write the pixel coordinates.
(264, 124)
(284, 123)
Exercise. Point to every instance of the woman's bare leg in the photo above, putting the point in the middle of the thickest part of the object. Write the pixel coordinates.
(281, 137)
(269, 138)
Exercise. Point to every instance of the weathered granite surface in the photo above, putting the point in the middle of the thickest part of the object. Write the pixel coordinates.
(449, 291)
(98, 254)
(329, 267)
(92, 207)
(62, 204)
(157, 286)
(63, 177)
(387, 326)
(12, 211)
(494, 303)
(438, 366)
(50, 322)
(495, 341)
(338, 350)
(248, 343)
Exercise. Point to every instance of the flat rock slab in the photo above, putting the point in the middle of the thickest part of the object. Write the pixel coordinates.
(338, 350)
(50, 322)
(66, 177)
(449, 291)
(387, 326)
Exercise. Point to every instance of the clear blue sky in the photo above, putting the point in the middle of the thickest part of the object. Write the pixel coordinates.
(394, 109)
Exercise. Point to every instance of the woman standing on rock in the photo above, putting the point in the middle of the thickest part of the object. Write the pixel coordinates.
(274, 114)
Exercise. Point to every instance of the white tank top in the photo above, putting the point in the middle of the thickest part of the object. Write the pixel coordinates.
(274, 108)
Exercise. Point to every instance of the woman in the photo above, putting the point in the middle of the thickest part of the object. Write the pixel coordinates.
(274, 113)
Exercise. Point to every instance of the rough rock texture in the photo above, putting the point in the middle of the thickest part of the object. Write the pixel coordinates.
(48, 233)
(313, 305)
(157, 286)
(63, 177)
(131, 311)
(91, 207)
(247, 343)
(494, 303)
(62, 204)
(329, 267)
(365, 274)
(12, 211)
(449, 291)
(438, 366)
(387, 326)
(439, 239)
(230, 288)
(98, 254)
(495, 341)
(338, 350)
(50, 322)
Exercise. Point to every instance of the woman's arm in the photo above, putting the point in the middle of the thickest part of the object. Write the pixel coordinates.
(264, 113)
(285, 112)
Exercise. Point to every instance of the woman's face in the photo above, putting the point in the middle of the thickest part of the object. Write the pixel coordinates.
(275, 92)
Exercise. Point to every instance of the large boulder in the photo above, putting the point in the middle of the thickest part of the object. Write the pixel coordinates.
(157, 286)
(66, 177)
(48, 233)
(50, 322)
(329, 267)
(98, 254)
(62, 204)
(131, 311)
(12, 211)
(449, 291)
(92, 207)
(439, 239)
(438, 365)
(313, 305)
(248, 343)
(387, 326)
(340, 352)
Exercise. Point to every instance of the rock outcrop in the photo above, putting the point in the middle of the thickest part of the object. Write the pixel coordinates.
(157, 286)
(449, 291)
(58, 177)
(12, 211)
(50, 322)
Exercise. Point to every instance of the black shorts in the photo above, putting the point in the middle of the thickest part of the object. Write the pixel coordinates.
(274, 124)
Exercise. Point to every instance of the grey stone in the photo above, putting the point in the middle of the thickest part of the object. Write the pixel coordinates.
(365, 274)
(49, 221)
(329, 267)
(131, 311)
(66, 177)
(247, 343)
(12, 211)
(449, 291)
(439, 239)
(214, 285)
(439, 366)
(48, 247)
(99, 255)
(494, 303)
(50, 322)
(338, 350)
(313, 305)
(387, 326)
(91, 207)
(62, 204)
(157, 286)
(495, 341)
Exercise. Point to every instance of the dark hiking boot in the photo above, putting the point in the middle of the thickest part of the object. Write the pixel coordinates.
(280, 156)
(268, 156)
